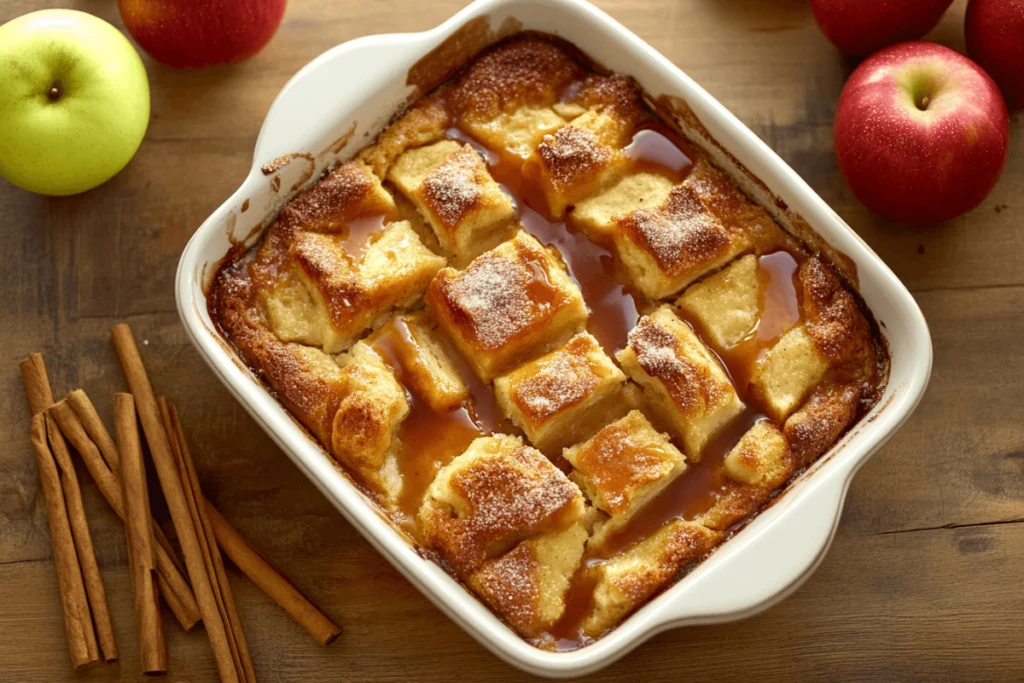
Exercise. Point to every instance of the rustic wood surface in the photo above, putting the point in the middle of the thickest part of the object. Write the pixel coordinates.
(923, 582)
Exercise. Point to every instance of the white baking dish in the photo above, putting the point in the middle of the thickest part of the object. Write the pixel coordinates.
(338, 102)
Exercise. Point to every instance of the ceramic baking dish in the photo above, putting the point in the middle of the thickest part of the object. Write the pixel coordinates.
(337, 103)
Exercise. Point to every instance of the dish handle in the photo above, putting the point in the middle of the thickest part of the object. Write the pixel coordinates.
(775, 563)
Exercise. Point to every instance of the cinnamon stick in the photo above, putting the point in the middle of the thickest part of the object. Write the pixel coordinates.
(139, 532)
(211, 553)
(94, 427)
(272, 582)
(77, 620)
(77, 616)
(173, 586)
(94, 588)
(170, 482)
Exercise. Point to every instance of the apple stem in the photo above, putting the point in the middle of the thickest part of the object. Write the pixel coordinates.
(55, 91)
(922, 104)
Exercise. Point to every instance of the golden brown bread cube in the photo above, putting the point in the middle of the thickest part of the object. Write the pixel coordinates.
(527, 585)
(348, 193)
(597, 215)
(425, 122)
(578, 159)
(761, 457)
(726, 304)
(625, 465)
(364, 436)
(665, 236)
(511, 304)
(785, 373)
(451, 186)
(527, 73)
(733, 209)
(828, 411)
(681, 378)
(497, 493)
(516, 134)
(627, 580)
(557, 397)
(410, 345)
(755, 467)
(323, 297)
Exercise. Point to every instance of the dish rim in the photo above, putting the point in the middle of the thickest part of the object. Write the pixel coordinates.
(720, 588)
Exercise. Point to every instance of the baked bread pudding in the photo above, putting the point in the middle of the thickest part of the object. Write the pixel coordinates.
(551, 338)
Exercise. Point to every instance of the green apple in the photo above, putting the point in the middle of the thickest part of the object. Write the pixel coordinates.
(74, 101)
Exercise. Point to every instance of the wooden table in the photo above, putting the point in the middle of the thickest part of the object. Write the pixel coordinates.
(924, 580)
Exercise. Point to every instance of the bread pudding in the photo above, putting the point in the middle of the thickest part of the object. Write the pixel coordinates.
(557, 345)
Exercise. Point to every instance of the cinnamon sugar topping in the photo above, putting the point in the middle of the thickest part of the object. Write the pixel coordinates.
(678, 234)
(572, 154)
(453, 189)
(657, 352)
(501, 298)
(564, 381)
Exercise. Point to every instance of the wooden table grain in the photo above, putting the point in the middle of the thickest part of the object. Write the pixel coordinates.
(925, 579)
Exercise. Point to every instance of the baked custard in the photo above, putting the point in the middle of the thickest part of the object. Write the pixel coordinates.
(558, 346)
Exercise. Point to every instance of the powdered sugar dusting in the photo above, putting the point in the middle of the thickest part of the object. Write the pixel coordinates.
(571, 154)
(453, 189)
(680, 233)
(564, 380)
(501, 298)
(658, 353)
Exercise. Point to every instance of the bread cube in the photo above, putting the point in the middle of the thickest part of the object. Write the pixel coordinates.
(625, 465)
(557, 397)
(410, 346)
(510, 305)
(348, 193)
(497, 493)
(530, 73)
(325, 298)
(364, 436)
(761, 458)
(828, 411)
(451, 186)
(577, 160)
(518, 133)
(756, 466)
(598, 214)
(629, 579)
(527, 585)
(682, 380)
(785, 373)
(726, 304)
(425, 122)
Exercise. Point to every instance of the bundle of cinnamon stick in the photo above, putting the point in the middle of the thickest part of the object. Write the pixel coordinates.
(194, 589)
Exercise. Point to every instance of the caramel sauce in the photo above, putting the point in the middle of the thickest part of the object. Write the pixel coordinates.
(358, 234)
(657, 149)
(430, 439)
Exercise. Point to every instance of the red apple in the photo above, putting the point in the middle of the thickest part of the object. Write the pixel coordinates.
(197, 33)
(859, 27)
(995, 40)
(921, 133)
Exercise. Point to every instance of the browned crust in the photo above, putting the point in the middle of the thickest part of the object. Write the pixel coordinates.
(527, 72)
(508, 498)
(657, 352)
(679, 235)
(452, 190)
